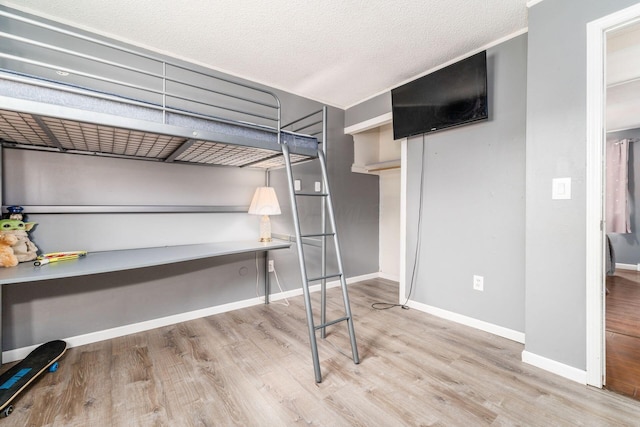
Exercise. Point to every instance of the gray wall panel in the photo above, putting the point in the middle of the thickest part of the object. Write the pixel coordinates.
(54, 179)
(356, 200)
(360, 216)
(36, 312)
(472, 220)
(556, 135)
(368, 109)
(48, 178)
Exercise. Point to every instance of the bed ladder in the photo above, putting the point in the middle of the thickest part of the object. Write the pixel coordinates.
(327, 208)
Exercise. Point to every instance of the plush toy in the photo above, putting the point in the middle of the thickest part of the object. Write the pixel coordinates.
(23, 249)
(7, 257)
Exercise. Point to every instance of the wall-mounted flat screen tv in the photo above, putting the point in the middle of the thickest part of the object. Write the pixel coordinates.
(452, 96)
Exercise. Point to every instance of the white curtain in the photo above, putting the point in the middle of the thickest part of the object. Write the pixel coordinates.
(617, 184)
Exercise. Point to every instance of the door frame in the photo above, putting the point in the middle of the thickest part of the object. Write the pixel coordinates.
(596, 103)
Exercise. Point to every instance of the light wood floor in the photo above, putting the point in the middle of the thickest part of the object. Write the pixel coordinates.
(252, 367)
(623, 333)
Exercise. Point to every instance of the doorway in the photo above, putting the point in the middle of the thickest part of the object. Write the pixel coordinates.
(597, 33)
(622, 126)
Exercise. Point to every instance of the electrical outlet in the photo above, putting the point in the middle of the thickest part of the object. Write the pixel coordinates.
(318, 187)
(297, 185)
(272, 266)
(478, 283)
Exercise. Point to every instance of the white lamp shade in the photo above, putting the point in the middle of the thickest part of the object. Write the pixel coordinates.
(264, 202)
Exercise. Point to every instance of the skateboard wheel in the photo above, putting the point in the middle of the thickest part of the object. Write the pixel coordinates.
(53, 367)
(6, 411)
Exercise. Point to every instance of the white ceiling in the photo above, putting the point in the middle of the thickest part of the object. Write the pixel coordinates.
(339, 52)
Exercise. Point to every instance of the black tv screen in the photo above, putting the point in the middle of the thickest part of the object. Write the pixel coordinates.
(452, 96)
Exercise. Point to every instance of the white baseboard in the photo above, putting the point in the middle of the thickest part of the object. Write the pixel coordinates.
(552, 366)
(566, 371)
(21, 353)
(532, 3)
(633, 267)
(387, 276)
(355, 279)
(469, 321)
(316, 288)
(76, 341)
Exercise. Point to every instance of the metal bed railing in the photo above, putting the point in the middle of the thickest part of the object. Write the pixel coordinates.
(313, 124)
(169, 87)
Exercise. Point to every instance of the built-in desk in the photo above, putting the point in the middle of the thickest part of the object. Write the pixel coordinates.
(128, 259)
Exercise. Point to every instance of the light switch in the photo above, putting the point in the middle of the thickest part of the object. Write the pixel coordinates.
(561, 188)
(296, 185)
(318, 187)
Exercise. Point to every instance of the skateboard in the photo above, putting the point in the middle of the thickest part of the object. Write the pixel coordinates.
(19, 376)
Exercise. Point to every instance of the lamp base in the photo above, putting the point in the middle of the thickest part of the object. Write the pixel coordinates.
(265, 229)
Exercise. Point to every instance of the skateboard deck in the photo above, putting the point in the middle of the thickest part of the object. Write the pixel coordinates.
(19, 376)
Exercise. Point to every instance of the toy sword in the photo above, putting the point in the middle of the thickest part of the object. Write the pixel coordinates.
(58, 256)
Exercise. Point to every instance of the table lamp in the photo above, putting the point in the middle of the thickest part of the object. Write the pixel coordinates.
(265, 203)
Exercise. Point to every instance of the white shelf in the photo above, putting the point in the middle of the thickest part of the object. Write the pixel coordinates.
(382, 166)
(108, 261)
(374, 150)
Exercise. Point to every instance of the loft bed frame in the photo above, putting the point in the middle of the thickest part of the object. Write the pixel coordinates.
(94, 97)
(104, 99)
(70, 92)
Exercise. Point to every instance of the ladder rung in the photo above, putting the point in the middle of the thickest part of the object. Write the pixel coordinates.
(329, 276)
(333, 322)
(318, 235)
(312, 194)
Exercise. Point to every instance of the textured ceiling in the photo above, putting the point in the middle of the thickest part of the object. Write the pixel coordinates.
(339, 52)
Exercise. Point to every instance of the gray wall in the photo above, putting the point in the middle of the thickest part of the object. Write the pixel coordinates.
(472, 220)
(556, 135)
(554, 271)
(473, 186)
(40, 311)
(356, 218)
(368, 109)
(627, 245)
